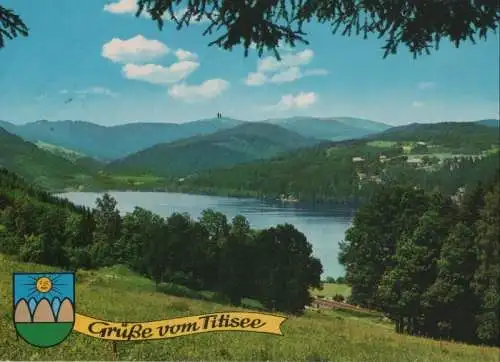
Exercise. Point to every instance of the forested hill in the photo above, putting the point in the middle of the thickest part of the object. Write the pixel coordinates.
(465, 137)
(113, 142)
(243, 143)
(442, 156)
(330, 128)
(42, 167)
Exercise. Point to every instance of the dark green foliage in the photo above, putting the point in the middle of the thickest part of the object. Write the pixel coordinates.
(371, 243)
(240, 144)
(11, 25)
(339, 298)
(208, 254)
(416, 25)
(431, 264)
(284, 264)
(40, 166)
(327, 172)
(460, 137)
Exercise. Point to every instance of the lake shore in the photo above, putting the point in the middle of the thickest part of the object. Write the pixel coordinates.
(242, 194)
(324, 227)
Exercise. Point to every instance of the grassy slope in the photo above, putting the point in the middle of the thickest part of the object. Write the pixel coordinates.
(330, 289)
(115, 294)
(40, 166)
(240, 144)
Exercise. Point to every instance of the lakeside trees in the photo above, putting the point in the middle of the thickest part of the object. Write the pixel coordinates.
(432, 265)
(274, 266)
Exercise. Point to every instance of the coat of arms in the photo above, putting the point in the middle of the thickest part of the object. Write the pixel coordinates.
(44, 307)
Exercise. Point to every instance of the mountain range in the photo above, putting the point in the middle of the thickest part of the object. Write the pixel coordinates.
(243, 143)
(80, 154)
(115, 142)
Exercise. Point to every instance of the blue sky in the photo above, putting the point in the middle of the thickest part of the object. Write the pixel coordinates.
(25, 283)
(119, 69)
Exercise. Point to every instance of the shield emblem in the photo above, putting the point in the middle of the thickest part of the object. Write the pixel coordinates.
(44, 307)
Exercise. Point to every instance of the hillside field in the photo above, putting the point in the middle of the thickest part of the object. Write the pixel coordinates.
(116, 294)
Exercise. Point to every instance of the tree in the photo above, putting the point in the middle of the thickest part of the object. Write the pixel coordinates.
(286, 269)
(370, 243)
(107, 231)
(403, 286)
(417, 25)
(11, 25)
(450, 296)
(237, 262)
(143, 243)
(487, 275)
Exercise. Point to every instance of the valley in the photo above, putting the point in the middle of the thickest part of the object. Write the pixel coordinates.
(273, 159)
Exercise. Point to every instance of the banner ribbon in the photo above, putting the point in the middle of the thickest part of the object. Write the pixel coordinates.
(177, 327)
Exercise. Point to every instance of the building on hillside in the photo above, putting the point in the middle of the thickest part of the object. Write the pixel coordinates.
(357, 159)
(416, 161)
(382, 158)
(361, 176)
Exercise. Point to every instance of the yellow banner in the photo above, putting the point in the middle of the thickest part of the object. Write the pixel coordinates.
(178, 327)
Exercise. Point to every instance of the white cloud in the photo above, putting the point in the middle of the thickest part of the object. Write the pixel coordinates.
(192, 93)
(286, 70)
(255, 79)
(157, 74)
(97, 91)
(182, 54)
(122, 7)
(300, 101)
(136, 49)
(417, 104)
(130, 7)
(271, 64)
(288, 75)
(426, 85)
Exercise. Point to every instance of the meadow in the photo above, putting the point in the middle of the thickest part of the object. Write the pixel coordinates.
(329, 290)
(116, 294)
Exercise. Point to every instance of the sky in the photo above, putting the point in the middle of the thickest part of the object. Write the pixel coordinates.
(25, 286)
(95, 61)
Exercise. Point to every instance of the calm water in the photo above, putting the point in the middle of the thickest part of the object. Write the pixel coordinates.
(324, 228)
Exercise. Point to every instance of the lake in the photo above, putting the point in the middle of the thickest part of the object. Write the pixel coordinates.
(324, 227)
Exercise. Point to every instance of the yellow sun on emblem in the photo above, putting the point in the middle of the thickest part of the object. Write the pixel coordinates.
(43, 285)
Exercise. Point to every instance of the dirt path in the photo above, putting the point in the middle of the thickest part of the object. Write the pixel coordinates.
(331, 304)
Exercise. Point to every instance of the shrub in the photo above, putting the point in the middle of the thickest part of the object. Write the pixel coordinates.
(339, 298)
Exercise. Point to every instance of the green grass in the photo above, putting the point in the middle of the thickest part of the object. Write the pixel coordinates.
(331, 289)
(381, 144)
(492, 150)
(67, 153)
(116, 294)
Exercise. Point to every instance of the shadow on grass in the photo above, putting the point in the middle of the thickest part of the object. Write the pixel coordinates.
(359, 314)
(185, 292)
